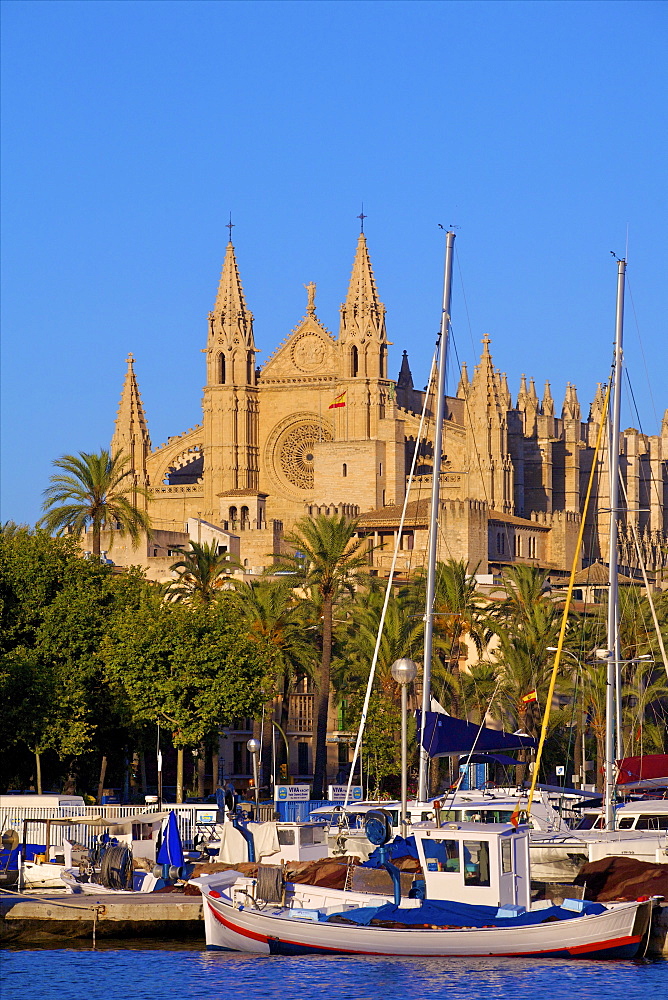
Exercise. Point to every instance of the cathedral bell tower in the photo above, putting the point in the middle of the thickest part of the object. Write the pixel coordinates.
(230, 396)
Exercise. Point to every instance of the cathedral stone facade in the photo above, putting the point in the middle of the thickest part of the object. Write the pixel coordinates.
(322, 427)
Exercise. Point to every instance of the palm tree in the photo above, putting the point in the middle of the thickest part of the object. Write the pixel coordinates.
(200, 573)
(275, 617)
(327, 563)
(97, 490)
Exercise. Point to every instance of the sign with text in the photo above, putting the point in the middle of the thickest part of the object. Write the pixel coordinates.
(337, 793)
(292, 793)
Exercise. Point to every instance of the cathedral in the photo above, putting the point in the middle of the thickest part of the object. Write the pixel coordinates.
(321, 426)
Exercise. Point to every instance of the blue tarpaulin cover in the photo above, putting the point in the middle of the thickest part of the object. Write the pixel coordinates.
(445, 735)
(171, 849)
(448, 914)
(399, 848)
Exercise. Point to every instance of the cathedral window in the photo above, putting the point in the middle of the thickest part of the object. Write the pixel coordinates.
(500, 543)
(233, 513)
(244, 515)
(354, 361)
(249, 368)
(345, 470)
(221, 369)
(380, 468)
(383, 361)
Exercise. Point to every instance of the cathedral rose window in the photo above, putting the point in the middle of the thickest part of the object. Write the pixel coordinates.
(296, 453)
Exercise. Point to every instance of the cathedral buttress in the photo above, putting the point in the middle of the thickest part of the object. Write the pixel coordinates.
(131, 437)
(230, 403)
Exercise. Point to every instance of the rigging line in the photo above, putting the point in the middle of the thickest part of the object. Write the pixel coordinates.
(466, 305)
(569, 594)
(654, 483)
(388, 591)
(636, 539)
(642, 351)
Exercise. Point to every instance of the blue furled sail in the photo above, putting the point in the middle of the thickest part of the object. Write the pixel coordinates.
(444, 736)
(171, 848)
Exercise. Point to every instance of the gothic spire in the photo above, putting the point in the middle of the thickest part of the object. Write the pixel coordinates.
(463, 387)
(131, 436)
(523, 395)
(405, 380)
(362, 314)
(548, 402)
(505, 396)
(231, 317)
(571, 407)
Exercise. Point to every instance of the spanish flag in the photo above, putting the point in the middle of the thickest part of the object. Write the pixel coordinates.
(339, 400)
(531, 696)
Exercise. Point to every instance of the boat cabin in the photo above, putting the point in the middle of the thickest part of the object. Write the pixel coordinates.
(651, 814)
(475, 863)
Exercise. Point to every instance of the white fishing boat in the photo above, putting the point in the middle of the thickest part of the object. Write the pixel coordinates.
(472, 900)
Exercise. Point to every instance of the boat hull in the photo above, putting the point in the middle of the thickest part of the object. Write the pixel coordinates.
(617, 933)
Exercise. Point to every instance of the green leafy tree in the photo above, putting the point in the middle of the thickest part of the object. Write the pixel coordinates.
(190, 668)
(96, 489)
(201, 573)
(327, 563)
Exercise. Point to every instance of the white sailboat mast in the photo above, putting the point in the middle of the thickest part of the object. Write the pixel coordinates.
(613, 650)
(433, 519)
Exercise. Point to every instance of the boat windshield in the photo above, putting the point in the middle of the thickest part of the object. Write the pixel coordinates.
(590, 821)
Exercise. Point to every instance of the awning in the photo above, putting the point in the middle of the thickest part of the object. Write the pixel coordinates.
(446, 736)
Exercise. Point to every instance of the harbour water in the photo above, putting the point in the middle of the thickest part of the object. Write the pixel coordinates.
(146, 971)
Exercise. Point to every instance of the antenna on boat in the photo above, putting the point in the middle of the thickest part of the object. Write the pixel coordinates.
(433, 520)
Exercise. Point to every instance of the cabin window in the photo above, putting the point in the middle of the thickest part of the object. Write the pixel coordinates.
(345, 470)
(506, 856)
(652, 823)
(626, 822)
(286, 837)
(354, 361)
(221, 369)
(441, 855)
(476, 862)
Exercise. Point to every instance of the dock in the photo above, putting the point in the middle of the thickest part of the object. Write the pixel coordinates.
(52, 919)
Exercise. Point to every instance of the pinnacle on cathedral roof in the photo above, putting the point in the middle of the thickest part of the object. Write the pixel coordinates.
(464, 383)
(548, 402)
(130, 419)
(571, 407)
(405, 380)
(362, 312)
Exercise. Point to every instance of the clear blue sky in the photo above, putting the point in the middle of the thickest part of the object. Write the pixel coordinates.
(131, 130)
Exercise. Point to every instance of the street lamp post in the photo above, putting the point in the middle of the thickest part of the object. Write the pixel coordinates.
(254, 748)
(404, 671)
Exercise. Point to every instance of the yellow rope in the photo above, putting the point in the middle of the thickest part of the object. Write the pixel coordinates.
(569, 594)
